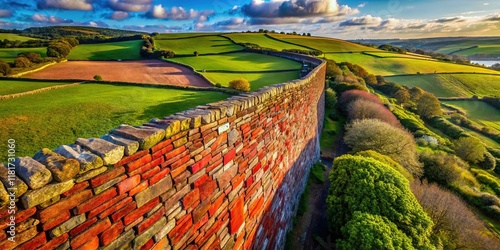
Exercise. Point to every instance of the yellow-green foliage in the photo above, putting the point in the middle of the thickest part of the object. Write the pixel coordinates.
(240, 84)
(488, 180)
(387, 160)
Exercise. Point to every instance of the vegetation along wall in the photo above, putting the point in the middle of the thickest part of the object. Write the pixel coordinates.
(226, 175)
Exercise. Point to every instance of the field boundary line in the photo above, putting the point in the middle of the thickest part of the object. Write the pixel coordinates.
(38, 69)
(447, 73)
(248, 72)
(36, 91)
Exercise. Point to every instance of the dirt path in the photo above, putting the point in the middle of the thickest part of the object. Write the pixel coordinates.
(141, 71)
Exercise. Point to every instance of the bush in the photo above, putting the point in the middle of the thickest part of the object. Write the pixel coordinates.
(4, 68)
(369, 186)
(240, 84)
(22, 62)
(330, 98)
(352, 95)
(365, 109)
(489, 162)
(332, 69)
(470, 149)
(32, 56)
(59, 49)
(367, 231)
(448, 128)
(218, 85)
(167, 53)
(442, 168)
(371, 134)
(402, 96)
(428, 106)
(98, 77)
(196, 53)
(387, 160)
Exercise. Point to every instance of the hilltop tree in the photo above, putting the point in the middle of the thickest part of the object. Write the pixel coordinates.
(366, 185)
(59, 49)
(428, 106)
(373, 134)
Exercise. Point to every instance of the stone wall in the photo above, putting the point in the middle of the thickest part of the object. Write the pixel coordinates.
(227, 175)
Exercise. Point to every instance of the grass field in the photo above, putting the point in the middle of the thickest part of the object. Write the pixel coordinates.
(479, 112)
(262, 40)
(203, 45)
(398, 55)
(240, 61)
(483, 49)
(453, 85)
(180, 35)
(15, 37)
(486, 46)
(257, 80)
(87, 110)
(398, 66)
(128, 50)
(10, 54)
(324, 44)
(8, 87)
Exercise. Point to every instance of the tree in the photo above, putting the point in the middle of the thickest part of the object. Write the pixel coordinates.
(402, 96)
(366, 185)
(330, 98)
(167, 53)
(489, 162)
(442, 168)
(372, 134)
(32, 56)
(428, 106)
(367, 231)
(332, 69)
(22, 62)
(470, 149)
(59, 49)
(416, 93)
(387, 160)
(352, 95)
(366, 109)
(196, 53)
(4, 68)
(240, 84)
(98, 77)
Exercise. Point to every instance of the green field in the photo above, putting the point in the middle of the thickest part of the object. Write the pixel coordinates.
(128, 50)
(202, 44)
(10, 54)
(398, 66)
(479, 112)
(398, 55)
(324, 44)
(15, 37)
(240, 61)
(262, 40)
(453, 85)
(257, 80)
(181, 35)
(87, 110)
(493, 49)
(484, 47)
(8, 87)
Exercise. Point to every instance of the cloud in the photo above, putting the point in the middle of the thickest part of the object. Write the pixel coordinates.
(361, 5)
(294, 11)
(130, 5)
(449, 19)
(495, 17)
(179, 13)
(65, 4)
(153, 28)
(38, 18)
(229, 24)
(117, 15)
(233, 11)
(5, 13)
(367, 20)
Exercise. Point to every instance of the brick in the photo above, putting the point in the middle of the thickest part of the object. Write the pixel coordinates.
(20, 238)
(225, 178)
(106, 176)
(157, 161)
(182, 227)
(23, 215)
(34, 243)
(160, 153)
(92, 244)
(215, 205)
(220, 140)
(237, 180)
(201, 180)
(150, 221)
(96, 201)
(131, 158)
(201, 210)
(128, 184)
(36, 197)
(54, 243)
(111, 233)
(174, 159)
(201, 221)
(153, 191)
(123, 212)
(33, 173)
(146, 136)
(161, 145)
(151, 172)
(161, 245)
(107, 185)
(75, 189)
(80, 228)
(140, 170)
(148, 245)
(62, 217)
(142, 186)
(115, 207)
(109, 152)
(165, 230)
(174, 152)
(174, 199)
(201, 164)
(141, 239)
(138, 163)
(140, 211)
(91, 232)
(237, 216)
(124, 239)
(207, 189)
(160, 175)
(68, 225)
(191, 198)
(106, 205)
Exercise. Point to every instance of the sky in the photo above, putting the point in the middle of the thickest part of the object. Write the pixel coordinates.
(345, 19)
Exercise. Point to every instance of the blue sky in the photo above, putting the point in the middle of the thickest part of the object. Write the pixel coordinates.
(347, 19)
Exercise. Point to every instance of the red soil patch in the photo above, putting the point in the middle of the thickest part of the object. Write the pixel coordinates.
(143, 71)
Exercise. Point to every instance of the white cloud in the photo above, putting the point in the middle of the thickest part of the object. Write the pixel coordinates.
(179, 13)
(130, 5)
(49, 19)
(66, 4)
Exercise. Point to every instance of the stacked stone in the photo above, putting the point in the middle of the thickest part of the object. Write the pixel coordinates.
(227, 175)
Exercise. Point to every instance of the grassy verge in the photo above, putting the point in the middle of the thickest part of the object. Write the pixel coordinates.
(10, 54)
(8, 87)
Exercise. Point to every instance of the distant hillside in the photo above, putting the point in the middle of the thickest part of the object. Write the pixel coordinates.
(59, 31)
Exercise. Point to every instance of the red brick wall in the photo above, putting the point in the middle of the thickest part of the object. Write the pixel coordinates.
(190, 183)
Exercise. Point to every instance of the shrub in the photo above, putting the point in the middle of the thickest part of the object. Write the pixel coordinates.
(196, 53)
(416, 93)
(22, 62)
(352, 95)
(167, 53)
(332, 69)
(402, 96)
(470, 149)
(428, 106)
(367, 231)
(98, 77)
(387, 160)
(369, 186)
(448, 128)
(442, 168)
(218, 85)
(4, 68)
(32, 56)
(240, 84)
(59, 49)
(489, 181)
(371, 134)
(365, 109)
(489, 162)
(330, 98)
